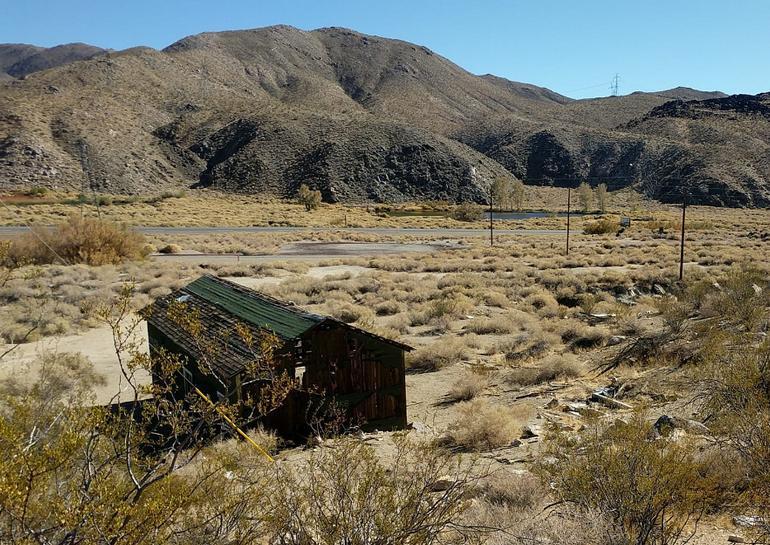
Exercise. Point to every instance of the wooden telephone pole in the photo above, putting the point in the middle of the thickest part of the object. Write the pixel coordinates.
(681, 244)
(569, 200)
(491, 228)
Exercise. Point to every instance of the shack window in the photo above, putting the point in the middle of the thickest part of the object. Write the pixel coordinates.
(187, 379)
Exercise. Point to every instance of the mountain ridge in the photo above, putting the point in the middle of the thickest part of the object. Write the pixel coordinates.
(363, 118)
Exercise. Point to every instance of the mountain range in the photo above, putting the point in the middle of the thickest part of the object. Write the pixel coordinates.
(359, 117)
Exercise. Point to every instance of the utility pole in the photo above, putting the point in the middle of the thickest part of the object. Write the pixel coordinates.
(569, 199)
(491, 229)
(615, 85)
(681, 245)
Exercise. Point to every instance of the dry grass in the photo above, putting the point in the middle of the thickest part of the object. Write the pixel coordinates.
(79, 240)
(556, 366)
(467, 387)
(437, 356)
(482, 426)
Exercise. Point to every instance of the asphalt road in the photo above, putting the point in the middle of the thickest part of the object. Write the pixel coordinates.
(392, 231)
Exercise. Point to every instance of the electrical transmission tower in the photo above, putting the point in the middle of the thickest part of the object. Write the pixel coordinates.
(615, 85)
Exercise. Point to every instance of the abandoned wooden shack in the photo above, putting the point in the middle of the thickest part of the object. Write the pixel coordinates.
(363, 373)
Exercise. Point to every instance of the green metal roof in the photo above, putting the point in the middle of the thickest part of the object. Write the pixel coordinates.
(260, 310)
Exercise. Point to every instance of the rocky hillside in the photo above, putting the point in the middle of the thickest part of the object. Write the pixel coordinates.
(19, 60)
(362, 118)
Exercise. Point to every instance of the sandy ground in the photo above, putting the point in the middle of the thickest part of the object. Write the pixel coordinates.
(95, 344)
(314, 272)
(310, 251)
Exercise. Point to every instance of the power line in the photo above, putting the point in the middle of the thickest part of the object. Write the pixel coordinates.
(614, 85)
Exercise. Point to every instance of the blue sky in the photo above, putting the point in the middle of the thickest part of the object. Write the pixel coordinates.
(571, 46)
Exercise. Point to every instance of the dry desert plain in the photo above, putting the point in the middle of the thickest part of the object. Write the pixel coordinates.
(518, 345)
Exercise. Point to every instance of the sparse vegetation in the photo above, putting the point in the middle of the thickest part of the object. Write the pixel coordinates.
(650, 491)
(467, 387)
(309, 198)
(79, 240)
(482, 426)
(551, 368)
(467, 212)
(604, 226)
(585, 197)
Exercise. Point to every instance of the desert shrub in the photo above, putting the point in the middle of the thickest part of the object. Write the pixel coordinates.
(652, 491)
(399, 322)
(37, 191)
(526, 346)
(602, 226)
(579, 335)
(231, 451)
(467, 212)
(543, 302)
(59, 375)
(736, 404)
(309, 198)
(170, 249)
(351, 313)
(348, 495)
(468, 386)
(482, 426)
(495, 299)
(446, 306)
(556, 366)
(495, 325)
(387, 308)
(517, 492)
(80, 240)
(437, 355)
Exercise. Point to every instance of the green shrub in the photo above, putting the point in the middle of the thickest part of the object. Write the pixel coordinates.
(467, 211)
(37, 191)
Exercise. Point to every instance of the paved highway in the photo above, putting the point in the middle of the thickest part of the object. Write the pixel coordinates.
(391, 231)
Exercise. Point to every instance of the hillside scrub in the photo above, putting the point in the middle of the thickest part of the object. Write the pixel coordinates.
(86, 240)
(652, 491)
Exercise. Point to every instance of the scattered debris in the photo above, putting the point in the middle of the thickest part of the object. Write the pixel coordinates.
(529, 432)
(553, 404)
(666, 424)
(748, 521)
(609, 401)
(599, 317)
